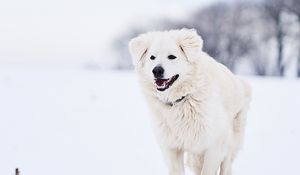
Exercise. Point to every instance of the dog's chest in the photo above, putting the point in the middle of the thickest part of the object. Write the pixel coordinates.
(183, 125)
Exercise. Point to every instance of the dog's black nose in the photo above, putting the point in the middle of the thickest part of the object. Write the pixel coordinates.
(158, 72)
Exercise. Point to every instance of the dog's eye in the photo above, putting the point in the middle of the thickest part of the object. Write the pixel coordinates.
(171, 57)
(152, 57)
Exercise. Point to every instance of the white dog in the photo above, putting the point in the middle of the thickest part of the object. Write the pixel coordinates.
(199, 106)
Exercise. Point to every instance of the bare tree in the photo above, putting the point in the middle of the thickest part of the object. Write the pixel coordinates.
(260, 31)
(294, 7)
(274, 9)
(223, 28)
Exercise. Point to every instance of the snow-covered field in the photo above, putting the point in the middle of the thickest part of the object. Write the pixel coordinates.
(80, 122)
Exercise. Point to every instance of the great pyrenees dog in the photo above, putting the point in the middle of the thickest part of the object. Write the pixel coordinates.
(199, 106)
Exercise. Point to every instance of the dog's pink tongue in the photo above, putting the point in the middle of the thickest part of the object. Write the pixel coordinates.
(160, 82)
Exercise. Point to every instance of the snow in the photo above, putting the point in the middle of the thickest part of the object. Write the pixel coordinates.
(69, 121)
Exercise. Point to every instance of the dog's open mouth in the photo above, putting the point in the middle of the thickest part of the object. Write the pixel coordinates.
(163, 84)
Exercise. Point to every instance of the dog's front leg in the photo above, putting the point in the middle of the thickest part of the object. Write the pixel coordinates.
(212, 161)
(175, 161)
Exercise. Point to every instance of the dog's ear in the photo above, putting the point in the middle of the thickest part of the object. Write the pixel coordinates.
(190, 43)
(138, 47)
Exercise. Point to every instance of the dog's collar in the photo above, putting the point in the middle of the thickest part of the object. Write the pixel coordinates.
(176, 101)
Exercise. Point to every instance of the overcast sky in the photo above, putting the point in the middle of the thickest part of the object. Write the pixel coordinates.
(61, 32)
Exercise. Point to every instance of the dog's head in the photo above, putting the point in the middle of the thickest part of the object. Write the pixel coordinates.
(165, 58)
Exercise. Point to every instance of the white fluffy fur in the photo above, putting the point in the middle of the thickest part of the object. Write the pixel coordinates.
(208, 124)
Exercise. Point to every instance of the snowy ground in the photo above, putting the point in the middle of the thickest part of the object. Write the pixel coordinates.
(79, 122)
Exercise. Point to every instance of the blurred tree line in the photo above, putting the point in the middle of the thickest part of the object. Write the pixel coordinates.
(262, 36)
